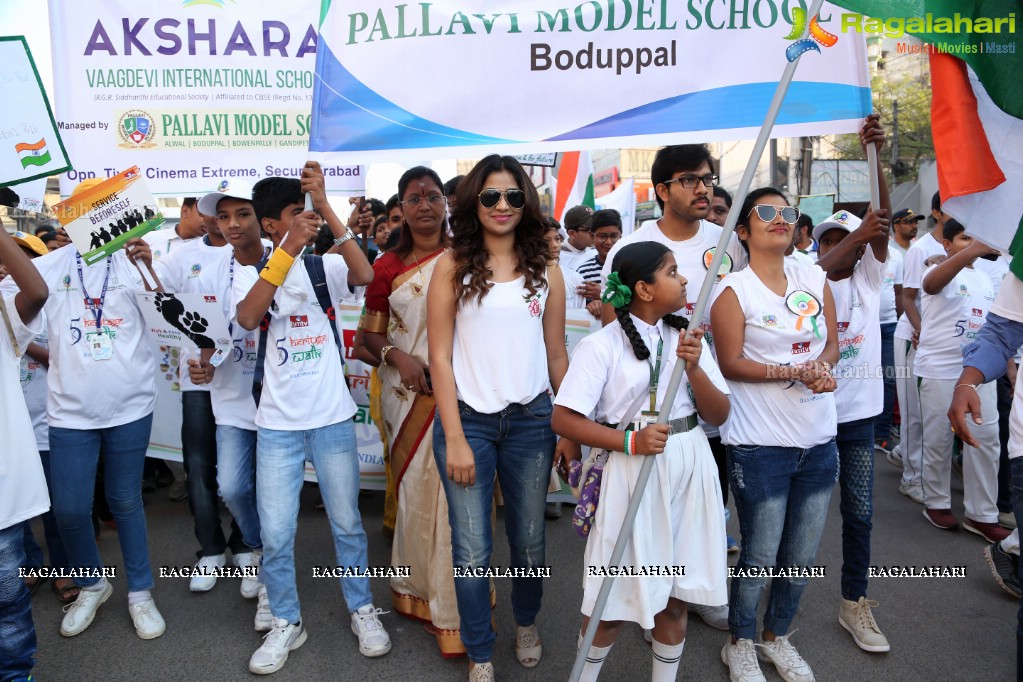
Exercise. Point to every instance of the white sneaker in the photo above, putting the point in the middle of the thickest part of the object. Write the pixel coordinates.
(714, 616)
(373, 639)
(282, 639)
(205, 577)
(913, 492)
(790, 665)
(264, 619)
(741, 659)
(250, 584)
(148, 622)
(79, 614)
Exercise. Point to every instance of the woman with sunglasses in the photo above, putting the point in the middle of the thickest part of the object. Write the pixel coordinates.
(497, 341)
(776, 340)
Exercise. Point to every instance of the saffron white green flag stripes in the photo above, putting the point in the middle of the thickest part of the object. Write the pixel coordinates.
(574, 184)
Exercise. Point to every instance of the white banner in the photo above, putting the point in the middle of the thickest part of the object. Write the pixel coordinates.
(193, 92)
(523, 76)
(623, 200)
(30, 146)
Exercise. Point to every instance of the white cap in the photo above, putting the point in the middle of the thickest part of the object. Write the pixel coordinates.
(842, 219)
(233, 189)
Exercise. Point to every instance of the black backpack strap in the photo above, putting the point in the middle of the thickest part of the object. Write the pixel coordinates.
(264, 326)
(318, 276)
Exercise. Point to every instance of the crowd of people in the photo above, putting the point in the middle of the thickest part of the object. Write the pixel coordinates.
(813, 335)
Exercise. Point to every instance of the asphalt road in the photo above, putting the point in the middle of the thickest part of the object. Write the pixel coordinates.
(939, 628)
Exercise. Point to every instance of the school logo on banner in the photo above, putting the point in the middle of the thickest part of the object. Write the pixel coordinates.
(136, 130)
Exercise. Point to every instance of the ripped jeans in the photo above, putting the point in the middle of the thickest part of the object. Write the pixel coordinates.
(781, 497)
(516, 444)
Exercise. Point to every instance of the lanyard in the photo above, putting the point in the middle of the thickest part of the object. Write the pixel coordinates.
(91, 302)
(655, 375)
(230, 279)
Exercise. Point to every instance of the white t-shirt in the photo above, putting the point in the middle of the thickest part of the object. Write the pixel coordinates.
(892, 278)
(860, 391)
(1009, 300)
(92, 394)
(949, 320)
(572, 257)
(800, 258)
(606, 378)
(33, 387)
(913, 274)
(162, 242)
(179, 272)
(784, 414)
(303, 382)
(498, 355)
(573, 280)
(994, 269)
(23, 493)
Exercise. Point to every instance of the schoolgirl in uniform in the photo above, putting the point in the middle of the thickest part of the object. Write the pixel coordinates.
(626, 365)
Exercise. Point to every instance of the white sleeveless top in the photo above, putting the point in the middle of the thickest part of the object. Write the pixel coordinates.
(499, 356)
(780, 413)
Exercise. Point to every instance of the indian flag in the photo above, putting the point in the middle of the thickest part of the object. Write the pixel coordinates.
(33, 154)
(574, 184)
(976, 57)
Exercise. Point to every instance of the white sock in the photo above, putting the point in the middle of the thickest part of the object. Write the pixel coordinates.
(594, 661)
(139, 597)
(1010, 545)
(99, 586)
(666, 660)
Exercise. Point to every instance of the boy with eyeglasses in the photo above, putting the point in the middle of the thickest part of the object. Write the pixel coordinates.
(607, 230)
(579, 246)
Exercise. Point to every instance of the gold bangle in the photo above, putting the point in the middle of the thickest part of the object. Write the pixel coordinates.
(276, 269)
(383, 354)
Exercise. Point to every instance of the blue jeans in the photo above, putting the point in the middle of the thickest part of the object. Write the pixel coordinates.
(855, 441)
(236, 478)
(517, 445)
(280, 471)
(781, 496)
(17, 632)
(33, 552)
(883, 421)
(75, 453)
(199, 456)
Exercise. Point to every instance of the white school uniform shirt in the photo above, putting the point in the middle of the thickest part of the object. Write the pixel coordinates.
(498, 353)
(950, 320)
(892, 278)
(573, 280)
(606, 378)
(860, 390)
(23, 493)
(303, 382)
(913, 275)
(33, 387)
(231, 388)
(92, 394)
(571, 257)
(779, 413)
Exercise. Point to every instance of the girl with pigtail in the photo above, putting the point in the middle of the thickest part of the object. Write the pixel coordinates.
(620, 374)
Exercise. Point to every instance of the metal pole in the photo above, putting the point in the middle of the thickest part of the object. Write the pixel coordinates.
(875, 186)
(676, 375)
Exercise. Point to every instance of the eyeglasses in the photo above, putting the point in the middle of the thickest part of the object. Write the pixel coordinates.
(489, 198)
(767, 213)
(432, 199)
(608, 237)
(690, 181)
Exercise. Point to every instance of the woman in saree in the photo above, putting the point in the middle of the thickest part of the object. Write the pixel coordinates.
(394, 328)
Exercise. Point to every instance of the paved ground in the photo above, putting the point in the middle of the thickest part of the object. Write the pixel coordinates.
(940, 629)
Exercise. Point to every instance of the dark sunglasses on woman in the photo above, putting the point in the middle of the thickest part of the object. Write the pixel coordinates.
(516, 198)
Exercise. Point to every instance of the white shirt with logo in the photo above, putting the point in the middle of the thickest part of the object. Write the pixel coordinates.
(303, 382)
(950, 320)
(860, 390)
(919, 252)
(892, 277)
(779, 413)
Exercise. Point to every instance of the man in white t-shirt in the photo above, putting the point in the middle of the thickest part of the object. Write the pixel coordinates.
(907, 332)
(305, 410)
(891, 309)
(22, 484)
(905, 225)
(579, 245)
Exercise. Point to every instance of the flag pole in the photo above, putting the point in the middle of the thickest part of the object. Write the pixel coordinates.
(875, 182)
(676, 375)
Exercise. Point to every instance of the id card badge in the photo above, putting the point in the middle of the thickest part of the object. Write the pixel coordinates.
(645, 419)
(101, 346)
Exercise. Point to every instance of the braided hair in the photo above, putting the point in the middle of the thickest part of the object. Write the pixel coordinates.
(634, 263)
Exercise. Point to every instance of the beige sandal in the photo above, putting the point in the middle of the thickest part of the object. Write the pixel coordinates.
(527, 646)
(482, 672)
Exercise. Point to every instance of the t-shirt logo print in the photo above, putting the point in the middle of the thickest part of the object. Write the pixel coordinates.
(800, 347)
(299, 320)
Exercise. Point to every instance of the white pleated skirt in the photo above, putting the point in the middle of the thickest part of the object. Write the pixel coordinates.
(680, 523)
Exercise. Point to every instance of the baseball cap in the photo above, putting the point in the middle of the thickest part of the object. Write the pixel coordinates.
(30, 242)
(906, 214)
(843, 219)
(227, 189)
(578, 216)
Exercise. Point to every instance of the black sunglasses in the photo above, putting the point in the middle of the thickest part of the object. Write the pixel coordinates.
(767, 213)
(516, 198)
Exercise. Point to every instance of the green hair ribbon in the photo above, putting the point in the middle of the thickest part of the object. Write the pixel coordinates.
(616, 293)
